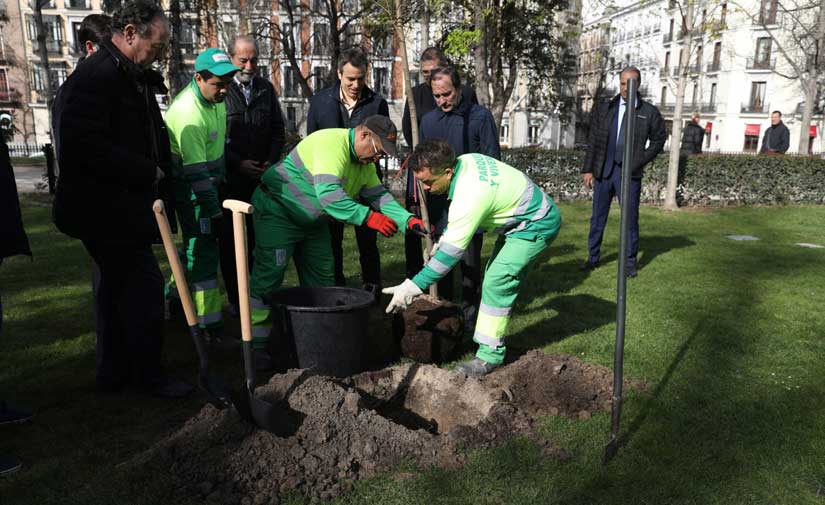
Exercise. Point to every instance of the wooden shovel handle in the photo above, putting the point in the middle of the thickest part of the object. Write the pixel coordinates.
(174, 262)
(239, 209)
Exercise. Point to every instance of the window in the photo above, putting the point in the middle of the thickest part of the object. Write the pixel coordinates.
(58, 77)
(670, 30)
(77, 48)
(320, 39)
(695, 94)
(767, 12)
(757, 102)
(382, 46)
(713, 95)
(289, 42)
(664, 96)
(717, 54)
(751, 142)
(533, 131)
(415, 78)
(263, 72)
(381, 82)
(762, 58)
(291, 119)
(667, 61)
(319, 78)
(77, 4)
(54, 33)
(723, 16)
(319, 6)
(291, 86)
(5, 91)
(188, 37)
(504, 133)
(699, 57)
(47, 5)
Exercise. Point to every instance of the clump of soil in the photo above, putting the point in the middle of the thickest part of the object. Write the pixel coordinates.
(349, 429)
(429, 329)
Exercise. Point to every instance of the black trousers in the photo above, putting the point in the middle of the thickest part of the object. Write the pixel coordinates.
(226, 251)
(370, 258)
(128, 306)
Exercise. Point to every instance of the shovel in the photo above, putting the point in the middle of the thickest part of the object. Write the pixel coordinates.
(213, 388)
(250, 407)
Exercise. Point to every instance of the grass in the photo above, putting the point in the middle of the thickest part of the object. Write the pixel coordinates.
(727, 334)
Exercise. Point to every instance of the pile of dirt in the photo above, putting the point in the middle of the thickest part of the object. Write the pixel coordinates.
(429, 329)
(349, 429)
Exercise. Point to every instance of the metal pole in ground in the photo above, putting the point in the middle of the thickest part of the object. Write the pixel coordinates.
(618, 360)
(48, 152)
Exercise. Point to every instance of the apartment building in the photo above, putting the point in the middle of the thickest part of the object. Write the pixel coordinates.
(734, 71)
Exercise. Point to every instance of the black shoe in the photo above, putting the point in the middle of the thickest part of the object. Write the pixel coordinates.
(630, 271)
(12, 415)
(8, 464)
(171, 388)
(589, 266)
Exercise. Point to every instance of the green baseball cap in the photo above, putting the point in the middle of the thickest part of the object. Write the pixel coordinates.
(215, 61)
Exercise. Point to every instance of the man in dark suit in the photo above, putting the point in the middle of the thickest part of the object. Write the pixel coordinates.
(431, 59)
(603, 164)
(346, 104)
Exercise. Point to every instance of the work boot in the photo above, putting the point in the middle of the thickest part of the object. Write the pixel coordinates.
(263, 360)
(8, 464)
(11, 415)
(476, 368)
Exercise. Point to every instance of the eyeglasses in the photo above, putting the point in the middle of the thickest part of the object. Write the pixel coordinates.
(378, 154)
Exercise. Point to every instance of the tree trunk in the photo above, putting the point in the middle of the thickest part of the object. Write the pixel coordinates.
(405, 69)
(809, 84)
(424, 25)
(176, 72)
(676, 132)
(43, 53)
(480, 55)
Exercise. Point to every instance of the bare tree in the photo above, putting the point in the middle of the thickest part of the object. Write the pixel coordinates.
(43, 54)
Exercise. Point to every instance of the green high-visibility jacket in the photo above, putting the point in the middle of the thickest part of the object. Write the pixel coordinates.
(489, 195)
(197, 133)
(322, 175)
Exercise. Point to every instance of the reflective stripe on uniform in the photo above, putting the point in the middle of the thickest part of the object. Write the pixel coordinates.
(487, 340)
(495, 311)
(451, 250)
(332, 197)
(296, 193)
(327, 179)
(438, 267)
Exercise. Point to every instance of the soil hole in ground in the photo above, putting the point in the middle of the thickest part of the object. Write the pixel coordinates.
(425, 397)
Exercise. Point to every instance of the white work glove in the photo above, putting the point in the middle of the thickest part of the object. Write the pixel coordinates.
(435, 248)
(402, 295)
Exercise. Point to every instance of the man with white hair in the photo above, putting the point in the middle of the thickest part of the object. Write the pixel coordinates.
(254, 141)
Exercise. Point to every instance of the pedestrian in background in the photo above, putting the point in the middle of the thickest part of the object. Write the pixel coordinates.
(254, 141)
(692, 136)
(112, 150)
(777, 138)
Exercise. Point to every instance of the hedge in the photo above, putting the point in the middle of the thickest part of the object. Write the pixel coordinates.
(712, 179)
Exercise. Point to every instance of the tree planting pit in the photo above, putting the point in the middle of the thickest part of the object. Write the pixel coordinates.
(429, 330)
(349, 429)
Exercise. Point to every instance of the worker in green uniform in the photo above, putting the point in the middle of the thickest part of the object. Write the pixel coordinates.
(196, 121)
(320, 179)
(485, 194)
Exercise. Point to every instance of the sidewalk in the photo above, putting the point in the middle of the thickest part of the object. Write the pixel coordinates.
(28, 177)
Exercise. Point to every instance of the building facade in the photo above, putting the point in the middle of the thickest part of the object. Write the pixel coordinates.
(735, 74)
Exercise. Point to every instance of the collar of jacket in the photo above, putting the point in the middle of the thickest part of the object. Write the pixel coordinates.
(198, 94)
(615, 100)
(352, 145)
(366, 94)
(132, 69)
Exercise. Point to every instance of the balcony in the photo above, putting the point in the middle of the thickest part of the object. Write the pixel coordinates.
(766, 18)
(712, 67)
(761, 64)
(816, 112)
(53, 47)
(9, 96)
(709, 108)
(691, 69)
(755, 108)
(78, 4)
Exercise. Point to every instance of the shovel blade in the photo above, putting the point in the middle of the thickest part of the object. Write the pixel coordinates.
(610, 450)
(262, 413)
(215, 390)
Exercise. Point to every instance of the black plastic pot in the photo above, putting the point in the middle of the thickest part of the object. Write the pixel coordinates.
(328, 326)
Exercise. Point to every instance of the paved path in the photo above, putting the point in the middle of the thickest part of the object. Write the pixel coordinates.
(28, 177)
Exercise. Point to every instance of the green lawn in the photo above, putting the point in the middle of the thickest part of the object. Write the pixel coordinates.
(729, 335)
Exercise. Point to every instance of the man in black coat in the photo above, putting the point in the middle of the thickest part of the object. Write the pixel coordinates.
(777, 138)
(346, 104)
(692, 137)
(431, 59)
(254, 139)
(112, 152)
(603, 164)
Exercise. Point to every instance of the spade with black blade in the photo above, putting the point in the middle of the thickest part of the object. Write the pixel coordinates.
(612, 446)
(216, 392)
(249, 406)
